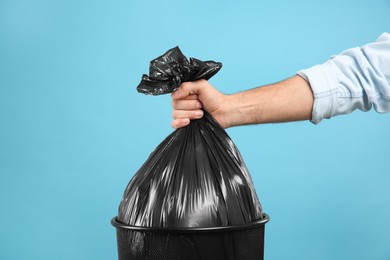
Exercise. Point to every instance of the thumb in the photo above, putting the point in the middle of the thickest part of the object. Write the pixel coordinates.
(186, 89)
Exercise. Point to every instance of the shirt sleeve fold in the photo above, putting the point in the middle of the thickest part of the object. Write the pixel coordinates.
(357, 78)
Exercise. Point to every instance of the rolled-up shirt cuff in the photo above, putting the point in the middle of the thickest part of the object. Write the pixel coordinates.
(324, 85)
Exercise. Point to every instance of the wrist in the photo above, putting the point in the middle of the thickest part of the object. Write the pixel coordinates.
(236, 110)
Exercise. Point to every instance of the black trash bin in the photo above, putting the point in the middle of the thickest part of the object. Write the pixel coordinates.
(244, 242)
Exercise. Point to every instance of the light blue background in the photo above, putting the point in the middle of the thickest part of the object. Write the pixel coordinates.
(74, 130)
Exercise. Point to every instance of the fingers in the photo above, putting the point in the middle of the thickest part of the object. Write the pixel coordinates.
(186, 105)
(190, 103)
(177, 123)
(191, 114)
(186, 89)
(182, 117)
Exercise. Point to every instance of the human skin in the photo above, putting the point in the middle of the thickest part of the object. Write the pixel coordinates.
(284, 101)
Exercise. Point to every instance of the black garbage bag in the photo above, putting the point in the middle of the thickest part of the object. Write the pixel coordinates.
(195, 178)
(193, 198)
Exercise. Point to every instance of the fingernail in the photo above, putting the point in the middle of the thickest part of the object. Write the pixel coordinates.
(199, 113)
(198, 105)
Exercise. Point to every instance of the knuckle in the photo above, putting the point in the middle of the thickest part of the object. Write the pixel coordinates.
(185, 85)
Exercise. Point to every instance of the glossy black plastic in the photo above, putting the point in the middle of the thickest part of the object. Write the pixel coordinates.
(194, 178)
(169, 70)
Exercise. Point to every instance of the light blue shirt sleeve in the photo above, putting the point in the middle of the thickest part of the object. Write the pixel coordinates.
(357, 78)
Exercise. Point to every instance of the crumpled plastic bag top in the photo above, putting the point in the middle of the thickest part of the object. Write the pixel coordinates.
(169, 70)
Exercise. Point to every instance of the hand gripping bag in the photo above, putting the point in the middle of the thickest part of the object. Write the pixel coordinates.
(193, 198)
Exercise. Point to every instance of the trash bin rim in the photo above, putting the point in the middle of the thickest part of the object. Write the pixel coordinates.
(252, 225)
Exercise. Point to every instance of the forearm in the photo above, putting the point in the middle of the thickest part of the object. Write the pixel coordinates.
(288, 100)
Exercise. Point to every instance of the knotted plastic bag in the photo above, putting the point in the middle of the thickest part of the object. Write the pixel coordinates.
(196, 176)
(169, 70)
